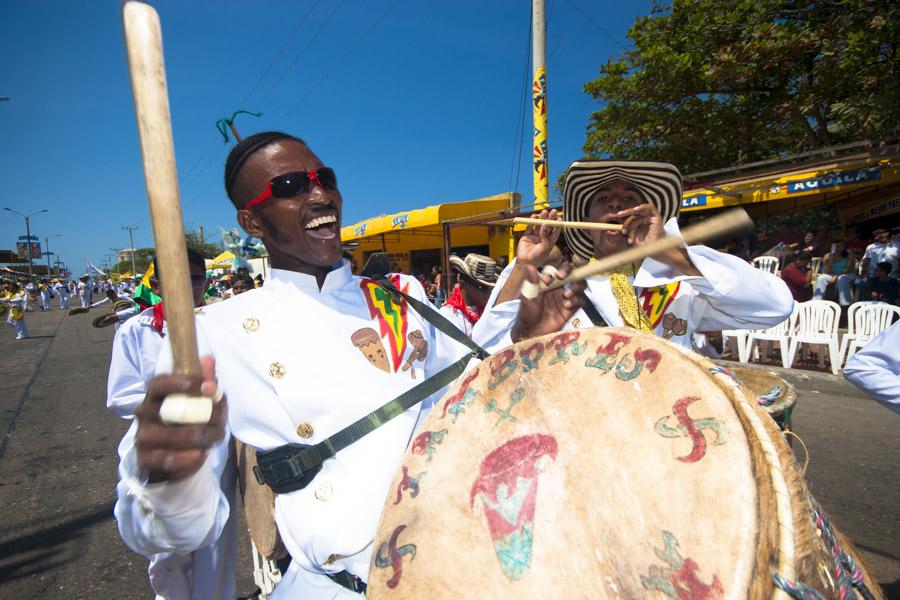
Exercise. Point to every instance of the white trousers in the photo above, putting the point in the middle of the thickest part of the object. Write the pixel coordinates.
(19, 326)
(63, 301)
(845, 294)
(45, 301)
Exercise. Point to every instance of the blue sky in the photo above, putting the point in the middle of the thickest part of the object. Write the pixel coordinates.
(424, 109)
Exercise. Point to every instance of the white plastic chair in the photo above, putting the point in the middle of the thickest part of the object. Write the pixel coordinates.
(779, 333)
(817, 323)
(865, 320)
(740, 340)
(766, 263)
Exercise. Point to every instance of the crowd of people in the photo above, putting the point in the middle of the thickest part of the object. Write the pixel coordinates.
(269, 392)
(820, 266)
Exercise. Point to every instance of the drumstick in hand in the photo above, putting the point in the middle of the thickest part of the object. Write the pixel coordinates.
(733, 221)
(143, 42)
(567, 224)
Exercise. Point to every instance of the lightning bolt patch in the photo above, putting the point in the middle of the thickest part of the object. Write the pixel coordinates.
(656, 300)
(391, 316)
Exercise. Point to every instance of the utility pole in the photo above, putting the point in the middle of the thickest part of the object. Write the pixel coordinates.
(131, 241)
(116, 250)
(200, 233)
(27, 237)
(539, 102)
(47, 250)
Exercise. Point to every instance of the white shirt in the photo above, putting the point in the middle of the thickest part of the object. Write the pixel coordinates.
(290, 354)
(876, 368)
(729, 294)
(208, 573)
(457, 318)
(878, 252)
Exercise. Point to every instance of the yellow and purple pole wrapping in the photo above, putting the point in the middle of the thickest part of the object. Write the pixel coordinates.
(539, 105)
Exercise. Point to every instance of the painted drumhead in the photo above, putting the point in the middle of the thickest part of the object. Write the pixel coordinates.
(583, 464)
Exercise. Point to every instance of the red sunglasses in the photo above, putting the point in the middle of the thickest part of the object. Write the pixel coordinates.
(295, 183)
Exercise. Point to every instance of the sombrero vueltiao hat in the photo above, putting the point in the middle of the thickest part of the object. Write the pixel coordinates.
(659, 184)
(479, 268)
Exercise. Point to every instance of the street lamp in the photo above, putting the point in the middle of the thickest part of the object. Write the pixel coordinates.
(47, 251)
(27, 236)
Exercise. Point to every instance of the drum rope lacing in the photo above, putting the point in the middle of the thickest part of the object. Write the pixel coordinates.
(847, 572)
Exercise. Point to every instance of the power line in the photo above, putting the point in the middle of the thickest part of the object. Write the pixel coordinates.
(520, 126)
(281, 50)
(302, 52)
(334, 66)
(597, 25)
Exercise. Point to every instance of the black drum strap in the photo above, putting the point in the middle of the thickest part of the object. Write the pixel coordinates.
(591, 311)
(293, 466)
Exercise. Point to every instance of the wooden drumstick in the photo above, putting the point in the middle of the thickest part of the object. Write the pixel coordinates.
(568, 224)
(729, 222)
(143, 42)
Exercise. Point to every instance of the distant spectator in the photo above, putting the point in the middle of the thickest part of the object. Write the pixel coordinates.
(823, 238)
(437, 286)
(884, 288)
(796, 276)
(786, 236)
(881, 250)
(809, 245)
(241, 285)
(854, 243)
(839, 269)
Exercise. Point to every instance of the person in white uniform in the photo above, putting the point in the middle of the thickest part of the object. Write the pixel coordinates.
(85, 291)
(62, 290)
(875, 369)
(477, 277)
(207, 573)
(15, 300)
(312, 351)
(675, 294)
(45, 294)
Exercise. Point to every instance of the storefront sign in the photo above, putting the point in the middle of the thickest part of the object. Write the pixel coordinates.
(400, 222)
(693, 201)
(360, 231)
(871, 210)
(834, 179)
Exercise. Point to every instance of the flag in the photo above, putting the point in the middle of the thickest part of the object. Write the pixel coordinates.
(91, 269)
(143, 293)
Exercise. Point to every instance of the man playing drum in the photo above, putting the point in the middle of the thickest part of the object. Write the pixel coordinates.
(674, 294)
(299, 359)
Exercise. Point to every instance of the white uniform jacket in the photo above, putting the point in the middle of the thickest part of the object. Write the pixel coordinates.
(208, 573)
(729, 294)
(876, 368)
(457, 318)
(297, 364)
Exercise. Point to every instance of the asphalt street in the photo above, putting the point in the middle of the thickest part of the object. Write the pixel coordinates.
(58, 467)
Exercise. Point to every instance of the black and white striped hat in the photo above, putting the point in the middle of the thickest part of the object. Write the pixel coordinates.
(659, 183)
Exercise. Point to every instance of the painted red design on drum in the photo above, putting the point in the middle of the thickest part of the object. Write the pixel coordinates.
(426, 441)
(408, 483)
(455, 403)
(531, 356)
(503, 365)
(680, 580)
(389, 555)
(648, 359)
(692, 428)
(563, 344)
(507, 485)
(606, 356)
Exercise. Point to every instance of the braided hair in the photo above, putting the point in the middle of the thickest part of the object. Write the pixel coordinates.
(246, 148)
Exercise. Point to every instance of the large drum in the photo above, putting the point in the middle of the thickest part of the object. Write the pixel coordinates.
(603, 463)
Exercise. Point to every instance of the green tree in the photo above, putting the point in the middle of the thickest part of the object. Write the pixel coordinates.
(206, 248)
(710, 84)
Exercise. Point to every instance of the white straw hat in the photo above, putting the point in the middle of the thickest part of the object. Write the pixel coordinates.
(480, 268)
(659, 184)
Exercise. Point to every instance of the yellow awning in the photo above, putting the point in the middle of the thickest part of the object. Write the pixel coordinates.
(222, 261)
(834, 179)
(430, 216)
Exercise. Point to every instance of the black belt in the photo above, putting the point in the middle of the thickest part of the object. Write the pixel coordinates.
(348, 580)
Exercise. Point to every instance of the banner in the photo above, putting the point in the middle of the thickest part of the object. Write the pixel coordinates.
(22, 250)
